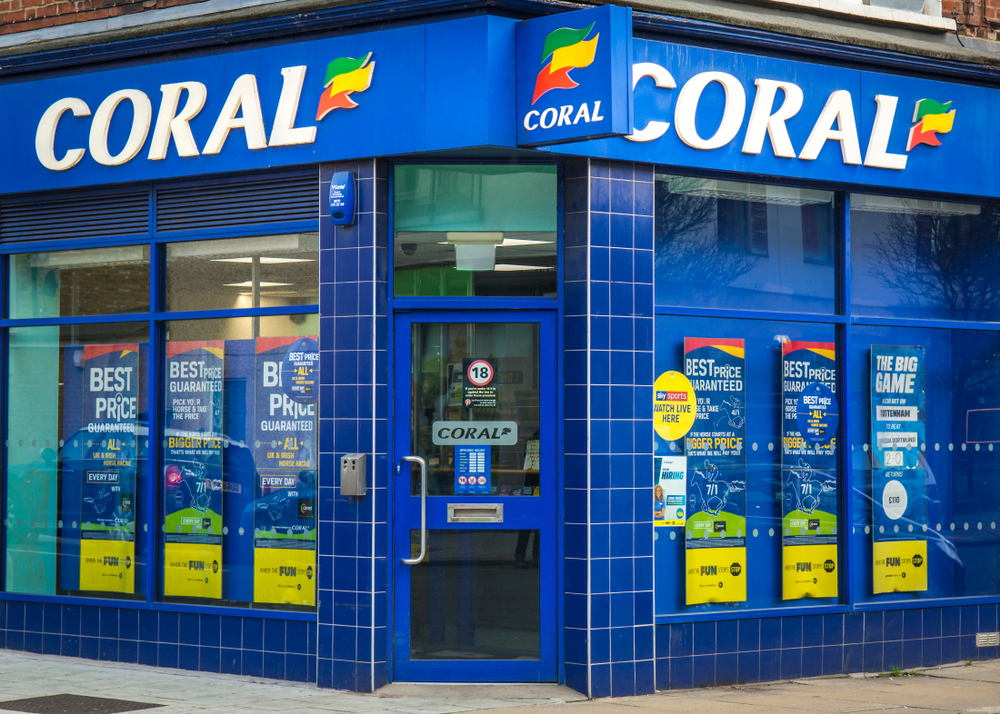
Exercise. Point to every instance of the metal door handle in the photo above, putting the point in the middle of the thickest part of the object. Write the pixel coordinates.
(423, 509)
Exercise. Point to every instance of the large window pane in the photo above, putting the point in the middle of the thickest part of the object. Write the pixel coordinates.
(239, 461)
(730, 244)
(67, 283)
(77, 441)
(264, 271)
(925, 259)
(948, 482)
(475, 230)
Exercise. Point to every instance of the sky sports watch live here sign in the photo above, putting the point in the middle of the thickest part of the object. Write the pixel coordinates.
(574, 76)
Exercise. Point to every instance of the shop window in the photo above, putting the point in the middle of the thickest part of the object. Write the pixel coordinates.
(475, 231)
(72, 283)
(76, 457)
(925, 259)
(233, 273)
(746, 478)
(731, 244)
(239, 451)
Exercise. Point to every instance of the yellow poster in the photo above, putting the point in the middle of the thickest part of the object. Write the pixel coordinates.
(284, 575)
(192, 570)
(674, 406)
(107, 565)
(900, 566)
(716, 575)
(809, 571)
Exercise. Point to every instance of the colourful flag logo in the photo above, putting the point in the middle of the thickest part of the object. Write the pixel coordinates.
(930, 119)
(567, 49)
(344, 76)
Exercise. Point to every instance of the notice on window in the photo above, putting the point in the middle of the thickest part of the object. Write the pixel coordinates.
(287, 378)
(809, 487)
(715, 541)
(192, 464)
(670, 491)
(899, 481)
(479, 385)
(472, 470)
(111, 414)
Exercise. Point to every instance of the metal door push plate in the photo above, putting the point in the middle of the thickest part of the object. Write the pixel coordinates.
(475, 513)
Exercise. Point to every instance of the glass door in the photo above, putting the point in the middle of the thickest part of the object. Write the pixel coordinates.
(474, 535)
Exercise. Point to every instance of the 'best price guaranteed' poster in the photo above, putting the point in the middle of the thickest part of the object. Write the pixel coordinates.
(111, 413)
(192, 496)
(899, 485)
(716, 463)
(287, 370)
(810, 502)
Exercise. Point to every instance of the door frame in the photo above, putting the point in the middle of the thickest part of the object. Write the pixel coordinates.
(548, 668)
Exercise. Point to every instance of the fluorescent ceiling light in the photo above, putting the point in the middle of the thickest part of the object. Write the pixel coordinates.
(249, 284)
(265, 260)
(511, 242)
(743, 191)
(299, 242)
(510, 267)
(92, 257)
(474, 237)
(912, 206)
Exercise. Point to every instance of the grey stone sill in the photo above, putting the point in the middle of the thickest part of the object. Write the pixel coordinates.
(871, 13)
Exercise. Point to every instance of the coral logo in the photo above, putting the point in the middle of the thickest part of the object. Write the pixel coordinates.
(566, 49)
(930, 118)
(344, 76)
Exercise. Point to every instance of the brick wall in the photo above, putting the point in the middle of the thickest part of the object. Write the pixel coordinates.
(24, 15)
(975, 18)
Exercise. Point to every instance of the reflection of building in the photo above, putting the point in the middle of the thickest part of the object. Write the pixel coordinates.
(166, 204)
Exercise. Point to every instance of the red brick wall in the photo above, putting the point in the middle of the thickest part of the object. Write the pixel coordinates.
(23, 15)
(975, 18)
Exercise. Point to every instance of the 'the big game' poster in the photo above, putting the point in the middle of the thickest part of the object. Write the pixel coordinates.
(716, 463)
(810, 502)
(287, 383)
(192, 495)
(899, 485)
(110, 407)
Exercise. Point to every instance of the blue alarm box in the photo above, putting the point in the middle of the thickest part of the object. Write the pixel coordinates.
(343, 198)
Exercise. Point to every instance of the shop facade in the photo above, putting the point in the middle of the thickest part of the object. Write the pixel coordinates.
(596, 348)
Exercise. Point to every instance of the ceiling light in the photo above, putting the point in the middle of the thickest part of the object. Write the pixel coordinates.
(912, 206)
(249, 284)
(743, 191)
(264, 260)
(510, 267)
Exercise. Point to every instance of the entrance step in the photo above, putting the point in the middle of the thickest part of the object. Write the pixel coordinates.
(511, 694)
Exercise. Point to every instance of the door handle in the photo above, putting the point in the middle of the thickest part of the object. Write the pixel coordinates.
(423, 509)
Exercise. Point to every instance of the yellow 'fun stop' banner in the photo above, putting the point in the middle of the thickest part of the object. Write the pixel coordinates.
(107, 565)
(284, 575)
(192, 570)
(716, 575)
(900, 566)
(809, 571)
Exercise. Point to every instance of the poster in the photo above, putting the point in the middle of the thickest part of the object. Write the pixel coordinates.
(111, 414)
(192, 463)
(287, 370)
(472, 470)
(670, 491)
(479, 386)
(716, 472)
(899, 483)
(809, 487)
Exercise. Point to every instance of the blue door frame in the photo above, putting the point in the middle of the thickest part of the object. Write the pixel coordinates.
(520, 512)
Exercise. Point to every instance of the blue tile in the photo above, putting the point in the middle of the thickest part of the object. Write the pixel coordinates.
(791, 632)
(168, 630)
(253, 633)
(987, 618)
(230, 661)
(854, 658)
(600, 195)
(167, 655)
(833, 659)
(52, 619)
(748, 667)
(951, 619)
(622, 644)
(893, 627)
(931, 652)
(187, 657)
(71, 646)
(253, 663)
(726, 639)
(187, 626)
(148, 625)
(644, 606)
(128, 651)
(296, 667)
(791, 663)
(231, 632)
(812, 661)
(681, 673)
(681, 644)
(623, 679)
(89, 647)
(90, 621)
(749, 635)
(33, 640)
(703, 670)
(644, 642)
(600, 645)
(645, 674)
(148, 653)
(873, 628)
(932, 622)
(622, 609)
(33, 617)
(913, 625)
(812, 630)
(726, 669)
(704, 638)
(621, 232)
(600, 680)
(621, 170)
(970, 620)
(274, 636)
(951, 650)
(209, 659)
(128, 624)
(892, 654)
(643, 205)
(873, 657)
(833, 629)
(274, 665)
(70, 619)
(770, 638)
(912, 653)
(621, 269)
(297, 636)
(622, 199)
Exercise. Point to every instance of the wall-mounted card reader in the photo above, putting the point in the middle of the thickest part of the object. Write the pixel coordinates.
(353, 472)
(343, 198)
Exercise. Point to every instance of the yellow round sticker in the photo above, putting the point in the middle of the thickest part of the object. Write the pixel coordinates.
(673, 405)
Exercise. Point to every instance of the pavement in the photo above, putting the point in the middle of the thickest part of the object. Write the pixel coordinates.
(954, 689)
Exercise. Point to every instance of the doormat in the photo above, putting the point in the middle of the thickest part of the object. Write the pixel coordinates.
(73, 704)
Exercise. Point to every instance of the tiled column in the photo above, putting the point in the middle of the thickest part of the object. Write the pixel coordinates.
(608, 369)
(353, 418)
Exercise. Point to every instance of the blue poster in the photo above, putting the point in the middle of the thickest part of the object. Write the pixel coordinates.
(810, 413)
(472, 470)
(110, 418)
(897, 386)
(285, 437)
(192, 463)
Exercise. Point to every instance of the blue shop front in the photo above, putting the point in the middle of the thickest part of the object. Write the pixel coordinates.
(597, 347)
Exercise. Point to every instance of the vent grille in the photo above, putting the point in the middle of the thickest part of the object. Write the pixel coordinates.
(987, 639)
(244, 203)
(80, 216)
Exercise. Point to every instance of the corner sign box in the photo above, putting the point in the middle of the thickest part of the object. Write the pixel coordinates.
(574, 76)
(342, 198)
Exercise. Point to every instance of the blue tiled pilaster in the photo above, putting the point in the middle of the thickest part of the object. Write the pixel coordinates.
(353, 418)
